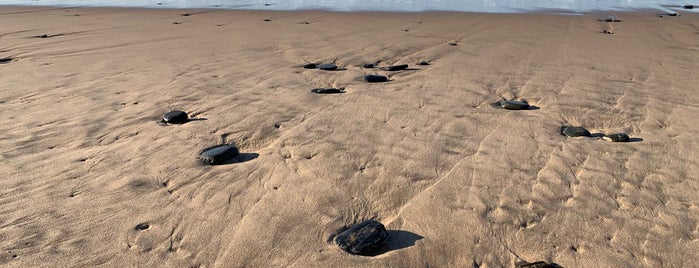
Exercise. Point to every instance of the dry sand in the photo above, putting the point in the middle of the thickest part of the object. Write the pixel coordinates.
(458, 182)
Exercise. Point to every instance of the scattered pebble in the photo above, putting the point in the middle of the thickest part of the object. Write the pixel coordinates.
(6, 60)
(327, 67)
(689, 6)
(218, 154)
(395, 67)
(607, 32)
(175, 117)
(368, 65)
(612, 19)
(372, 78)
(538, 264)
(423, 63)
(515, 105)
(571, 131)
(328, 90)
(617, 137)
(362, 238)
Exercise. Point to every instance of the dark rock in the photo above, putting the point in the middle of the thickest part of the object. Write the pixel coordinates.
(689, 6)
(362, 238)
(310, 66)
(218, 154)
(453, 44)
(267, 19)
(368, 65)
(5, 60)
(515, 105)
(372, 78)
(43, 36)
(538, 264)
(328, 90)
(395, 67)
(607, 32)
(328, 67)
(186, 14)
(617, 137)
(673, 14)
(612, 19)
(176, 117)
(423, 63)
(141, 227)
(574, 131)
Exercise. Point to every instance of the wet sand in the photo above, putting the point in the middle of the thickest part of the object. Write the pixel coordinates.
(90, 178)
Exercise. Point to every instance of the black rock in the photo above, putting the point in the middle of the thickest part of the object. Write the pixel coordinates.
(574, 131)
(689, 6)
(328, 90)
(328, 67)
(5, 60)
(673, 14)
(612, 19)
(176, 117)
(423, 63)
(395, 67)
(372, 78)
(617, 137)
(538, 264)
(43, 36)
(310, 66)
(515, 105)
(362, 238)
(368, 65)
(186, 14)
(607, 32)
(218, 154)
(267, 19)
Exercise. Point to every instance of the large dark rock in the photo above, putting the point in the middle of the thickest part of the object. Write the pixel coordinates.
(328, 90)
(574, 131)
(218, 154)
(395, 67)
(689, 6)
(5, 60)
(328, 67)
(362, 238)
(515, 105)
(176, 117)
(372, 78)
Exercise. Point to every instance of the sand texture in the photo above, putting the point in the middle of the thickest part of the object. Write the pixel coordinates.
(89, 177)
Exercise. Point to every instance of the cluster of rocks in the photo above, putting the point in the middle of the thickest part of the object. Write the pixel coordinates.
(578, 131)
(214, 155)
(371, 78)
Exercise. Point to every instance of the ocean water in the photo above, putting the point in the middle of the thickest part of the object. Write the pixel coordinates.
(490, 6)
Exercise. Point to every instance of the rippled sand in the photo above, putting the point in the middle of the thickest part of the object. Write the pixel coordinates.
(90, 178)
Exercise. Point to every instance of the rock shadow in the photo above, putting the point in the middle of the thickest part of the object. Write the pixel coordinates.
(397, 239)
(240, 158)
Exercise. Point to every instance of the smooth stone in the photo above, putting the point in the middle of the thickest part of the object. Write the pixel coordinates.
(372, 78)
(673, 14)
(574, 131)
(423, 63)
(617, 137)
(362, 238)
(5, 60)
(607, 32)
(612, 19)
(689, 6)
(176, 117)
(328, 90)
(218, 154)
(515, 105)
(310, 66)
(368, 65)
(328, 67)
(395, 67)
(538, 264)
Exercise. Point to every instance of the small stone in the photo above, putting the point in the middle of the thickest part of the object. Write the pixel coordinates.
(423, 63)
(673, 14)
(538, 264)
(574, 131)
(372, 78)
(186, 14)
(176, 117)
(310, 66)
(617, 137)
(612, 19)
(362, 238)
(395, 67)
(267, 19)
(607, 32)
(328, 90)
(368, 65)
(141, 227)
(6, 60)
(689, 6)
(515, 105)
(328, 67)
(218, 154)
(44, 36)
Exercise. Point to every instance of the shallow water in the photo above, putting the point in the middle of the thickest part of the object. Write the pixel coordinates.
(491, 6)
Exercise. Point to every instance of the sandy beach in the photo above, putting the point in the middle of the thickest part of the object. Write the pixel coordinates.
(89, 177)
